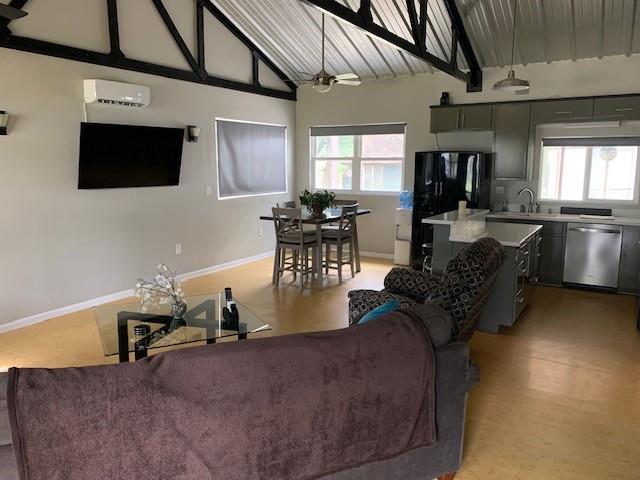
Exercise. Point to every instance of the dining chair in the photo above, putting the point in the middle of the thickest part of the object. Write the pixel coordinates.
(291, 236)
(355, 244)
(287, 204)
(340, 237)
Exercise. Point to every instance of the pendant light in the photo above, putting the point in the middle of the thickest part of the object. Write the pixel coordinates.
(511, 83)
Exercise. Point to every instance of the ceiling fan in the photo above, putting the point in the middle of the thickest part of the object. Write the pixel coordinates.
(323, 81)
(11, 13)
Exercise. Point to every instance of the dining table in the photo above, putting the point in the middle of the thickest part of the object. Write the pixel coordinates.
(330, 215)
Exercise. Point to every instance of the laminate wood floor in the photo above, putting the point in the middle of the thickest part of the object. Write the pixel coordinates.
(559, 395)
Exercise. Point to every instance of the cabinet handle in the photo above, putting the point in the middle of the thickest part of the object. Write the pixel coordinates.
(520, 299)
(564, 113)
(630, 109)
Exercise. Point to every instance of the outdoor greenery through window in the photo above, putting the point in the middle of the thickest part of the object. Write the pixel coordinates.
(358, 162)
(589, 170)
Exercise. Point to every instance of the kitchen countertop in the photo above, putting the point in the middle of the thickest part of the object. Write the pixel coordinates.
(561, 217)
(508, 234)
(450, 218)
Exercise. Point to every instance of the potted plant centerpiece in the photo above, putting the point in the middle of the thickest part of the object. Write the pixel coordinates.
(318, 201)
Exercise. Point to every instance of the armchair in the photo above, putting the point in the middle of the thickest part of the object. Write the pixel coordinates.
(461, 291)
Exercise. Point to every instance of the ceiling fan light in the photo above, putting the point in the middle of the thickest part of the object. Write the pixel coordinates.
(321, 88)
(511, 83)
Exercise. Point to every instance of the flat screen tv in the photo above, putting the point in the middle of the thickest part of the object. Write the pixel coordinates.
(120, 156)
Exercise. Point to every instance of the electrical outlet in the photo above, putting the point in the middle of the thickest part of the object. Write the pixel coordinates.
(260, 231)
(208, 190)
(499, 189)
(178, 249)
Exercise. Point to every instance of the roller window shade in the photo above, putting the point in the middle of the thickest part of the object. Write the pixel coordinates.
(379, 129)
(251, 158)
(591, 142)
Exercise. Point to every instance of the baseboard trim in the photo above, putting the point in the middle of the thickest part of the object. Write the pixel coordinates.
(377, 255)
(112, 297)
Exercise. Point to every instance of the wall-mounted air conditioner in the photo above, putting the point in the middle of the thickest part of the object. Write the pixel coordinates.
(106, 92)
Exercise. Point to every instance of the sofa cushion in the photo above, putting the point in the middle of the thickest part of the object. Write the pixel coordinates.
(383, 309)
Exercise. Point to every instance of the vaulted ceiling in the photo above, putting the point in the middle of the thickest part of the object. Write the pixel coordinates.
(548, 30)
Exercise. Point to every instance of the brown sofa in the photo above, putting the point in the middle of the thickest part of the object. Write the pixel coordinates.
(454, 377)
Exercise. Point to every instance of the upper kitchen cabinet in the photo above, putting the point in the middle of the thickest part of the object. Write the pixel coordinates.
(476, 117)
(559, 111)
(617, 108)
(461, 117)
(511, 126)
(445, 119)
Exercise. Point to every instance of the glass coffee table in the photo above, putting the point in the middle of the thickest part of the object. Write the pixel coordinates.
(122, 325)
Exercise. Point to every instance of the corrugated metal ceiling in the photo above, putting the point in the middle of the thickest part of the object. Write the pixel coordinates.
(548, 30)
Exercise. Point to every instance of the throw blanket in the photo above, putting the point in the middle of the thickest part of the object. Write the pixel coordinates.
(291, 407)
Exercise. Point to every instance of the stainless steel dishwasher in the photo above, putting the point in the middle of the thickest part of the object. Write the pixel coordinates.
(592, 255)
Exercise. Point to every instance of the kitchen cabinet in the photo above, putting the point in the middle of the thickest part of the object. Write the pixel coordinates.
(551, 261)
(629, 260)
(461, 117)
(476, 117)
(617, 108)
(511, 127)
(559, 111)
(444, 119)
(550, 251)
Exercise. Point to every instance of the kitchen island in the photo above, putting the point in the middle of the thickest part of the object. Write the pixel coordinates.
(521, 242)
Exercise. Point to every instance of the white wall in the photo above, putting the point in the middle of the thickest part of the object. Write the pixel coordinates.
(408, 99)
(60, 245)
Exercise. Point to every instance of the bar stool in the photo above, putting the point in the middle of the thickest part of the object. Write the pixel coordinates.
(341, 236)
(333, 226)
(291, 236)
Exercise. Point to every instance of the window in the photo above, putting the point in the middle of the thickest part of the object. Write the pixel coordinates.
(251, 158)
(358, 158)
(590, 169)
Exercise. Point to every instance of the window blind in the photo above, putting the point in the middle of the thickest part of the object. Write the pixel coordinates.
(373, 129)
(591, 141)
(251, 158)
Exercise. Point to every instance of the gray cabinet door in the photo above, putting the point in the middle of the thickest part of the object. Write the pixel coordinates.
(551, 261)
(554, 111)
(629, 260)
(476, 117)
(511, 124)
(620, 108)
(445, 119)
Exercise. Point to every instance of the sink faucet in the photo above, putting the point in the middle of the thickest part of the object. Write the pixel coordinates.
(531, 198)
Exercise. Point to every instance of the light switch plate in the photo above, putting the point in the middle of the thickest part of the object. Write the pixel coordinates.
(208, 190)
(178, 249)
(499, 189)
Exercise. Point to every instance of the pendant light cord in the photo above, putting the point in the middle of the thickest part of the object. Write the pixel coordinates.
(513, 35)
(323, 42)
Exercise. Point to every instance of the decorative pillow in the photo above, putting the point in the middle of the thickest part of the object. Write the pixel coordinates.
(383, 309)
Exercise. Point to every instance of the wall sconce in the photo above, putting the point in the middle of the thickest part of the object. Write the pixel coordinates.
(193, 133)
(4, 119)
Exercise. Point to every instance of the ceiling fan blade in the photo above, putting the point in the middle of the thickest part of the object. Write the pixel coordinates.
(347, 76)
(11, 13)
(351, 83)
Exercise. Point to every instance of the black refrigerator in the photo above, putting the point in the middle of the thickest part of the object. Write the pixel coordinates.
(442, 179)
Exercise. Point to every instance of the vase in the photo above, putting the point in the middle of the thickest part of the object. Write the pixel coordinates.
(317, 209)
(178, 309)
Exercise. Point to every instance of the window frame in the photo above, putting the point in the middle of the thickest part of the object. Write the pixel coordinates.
(356, 166)
(589, 144)
(216, 154)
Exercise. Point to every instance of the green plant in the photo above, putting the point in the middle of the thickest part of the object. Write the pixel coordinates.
(319, 200)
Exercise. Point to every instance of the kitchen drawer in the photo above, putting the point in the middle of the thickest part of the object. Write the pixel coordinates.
(561, 111)
(619, 108)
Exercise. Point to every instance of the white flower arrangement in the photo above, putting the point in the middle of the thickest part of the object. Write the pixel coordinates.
(164, 289)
